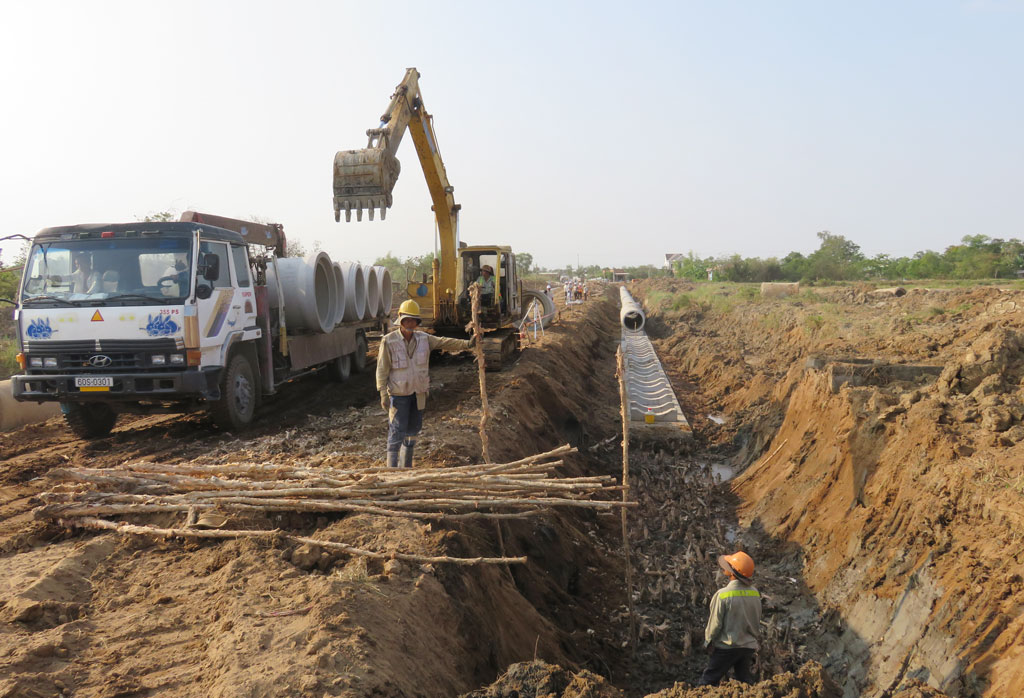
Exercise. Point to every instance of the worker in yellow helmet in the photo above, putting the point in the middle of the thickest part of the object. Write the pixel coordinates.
(734, 624)
(403, 379)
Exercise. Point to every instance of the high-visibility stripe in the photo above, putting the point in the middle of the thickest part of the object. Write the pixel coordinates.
(739, 592)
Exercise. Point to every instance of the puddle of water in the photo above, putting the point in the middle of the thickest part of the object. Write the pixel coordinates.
(717, 419)
(722, 471)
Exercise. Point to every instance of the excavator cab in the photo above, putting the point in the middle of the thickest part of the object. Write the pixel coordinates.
(502, 302)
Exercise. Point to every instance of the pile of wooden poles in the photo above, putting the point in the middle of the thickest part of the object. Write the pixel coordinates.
(498, 491)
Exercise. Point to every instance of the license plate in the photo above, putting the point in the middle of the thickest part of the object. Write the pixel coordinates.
(94, 383)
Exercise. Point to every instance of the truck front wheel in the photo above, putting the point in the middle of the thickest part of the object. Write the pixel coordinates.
(92, 421)
(237, 404)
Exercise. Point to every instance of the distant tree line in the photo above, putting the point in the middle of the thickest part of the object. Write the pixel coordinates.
(836, 259)
(839, 259)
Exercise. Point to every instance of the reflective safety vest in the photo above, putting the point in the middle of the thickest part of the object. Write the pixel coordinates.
(409, 376)
(739, 592)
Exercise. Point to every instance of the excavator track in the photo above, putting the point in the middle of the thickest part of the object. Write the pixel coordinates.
(500, 348)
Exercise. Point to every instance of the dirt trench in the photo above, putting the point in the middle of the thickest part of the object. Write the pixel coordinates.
(880, 441)
(876, 444)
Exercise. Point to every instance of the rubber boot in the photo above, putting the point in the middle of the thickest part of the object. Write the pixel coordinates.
(392, 459)
(406, 453)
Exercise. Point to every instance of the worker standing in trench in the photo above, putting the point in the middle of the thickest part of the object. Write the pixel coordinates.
(403, 379)
(734, 624)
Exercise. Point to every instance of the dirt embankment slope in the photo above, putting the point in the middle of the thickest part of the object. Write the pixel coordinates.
(884, 437)
(99, 615)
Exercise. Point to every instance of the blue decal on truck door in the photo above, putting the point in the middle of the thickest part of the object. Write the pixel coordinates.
(40, 329)
(161, 326)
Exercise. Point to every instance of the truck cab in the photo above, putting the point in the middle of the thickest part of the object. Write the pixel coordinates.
(134, 317)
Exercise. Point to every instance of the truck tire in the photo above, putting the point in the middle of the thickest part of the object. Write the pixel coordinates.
(92, 421)
(237, 404)
(359, 355)
(341, 368)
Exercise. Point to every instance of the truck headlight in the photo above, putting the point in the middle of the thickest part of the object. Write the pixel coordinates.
(36, 362)
(178, 359)
(50, 362)
(159, 359)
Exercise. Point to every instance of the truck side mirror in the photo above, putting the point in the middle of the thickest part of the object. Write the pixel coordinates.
(210, 268)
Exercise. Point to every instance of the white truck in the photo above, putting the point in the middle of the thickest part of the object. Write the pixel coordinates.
(173, 317)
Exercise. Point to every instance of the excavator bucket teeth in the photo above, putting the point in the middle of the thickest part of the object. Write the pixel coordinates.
(364, 179)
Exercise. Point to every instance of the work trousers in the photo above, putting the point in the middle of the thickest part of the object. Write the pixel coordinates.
(740, 660)
(406, 423)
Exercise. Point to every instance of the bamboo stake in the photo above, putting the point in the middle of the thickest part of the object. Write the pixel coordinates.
(485, 412)
(620, 371)
(277, 470)
(120, 509)
(101, 524)
(466, 487)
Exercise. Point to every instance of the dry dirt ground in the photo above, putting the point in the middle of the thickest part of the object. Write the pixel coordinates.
(876, 442)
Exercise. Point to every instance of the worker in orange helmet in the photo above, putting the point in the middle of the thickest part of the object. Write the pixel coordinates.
(735, 623)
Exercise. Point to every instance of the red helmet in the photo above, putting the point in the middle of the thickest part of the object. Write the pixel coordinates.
(739, 564)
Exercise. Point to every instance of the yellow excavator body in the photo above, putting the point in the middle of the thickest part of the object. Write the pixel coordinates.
(364, 180)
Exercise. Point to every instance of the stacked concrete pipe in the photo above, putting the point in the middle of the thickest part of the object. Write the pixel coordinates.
(372, 292)
(384, 279)
(310, 292)
(355, 287)
(340, 295)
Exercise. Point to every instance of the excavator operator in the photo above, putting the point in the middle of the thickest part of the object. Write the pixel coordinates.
(486, 284)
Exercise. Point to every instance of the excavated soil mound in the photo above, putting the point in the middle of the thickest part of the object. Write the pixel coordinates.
(538, 679)
(542, 680)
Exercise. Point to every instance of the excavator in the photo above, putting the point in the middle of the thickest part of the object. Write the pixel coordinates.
(364, 180)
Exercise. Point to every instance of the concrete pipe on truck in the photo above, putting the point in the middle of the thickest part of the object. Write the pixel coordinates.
(632, 314)
(339, 282)
(355, 296)
(372, 292)
(310, 292)
(384, 279)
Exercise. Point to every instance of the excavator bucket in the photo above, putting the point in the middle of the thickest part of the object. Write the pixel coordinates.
(364, 179)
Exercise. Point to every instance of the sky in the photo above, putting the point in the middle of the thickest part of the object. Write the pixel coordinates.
(580, 132)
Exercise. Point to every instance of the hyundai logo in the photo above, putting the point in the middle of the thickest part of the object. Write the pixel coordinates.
(100, 361)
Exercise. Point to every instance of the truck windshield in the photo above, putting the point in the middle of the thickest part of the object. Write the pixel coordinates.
(95, 270)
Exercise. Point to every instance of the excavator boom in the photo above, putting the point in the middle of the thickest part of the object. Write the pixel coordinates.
(364, 179)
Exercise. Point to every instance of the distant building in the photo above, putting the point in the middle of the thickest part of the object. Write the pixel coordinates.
(671, 259)
(618, 274)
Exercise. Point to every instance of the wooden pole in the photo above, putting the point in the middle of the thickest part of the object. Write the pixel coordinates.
(485, 413)
(102, 524)
(624, 400)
